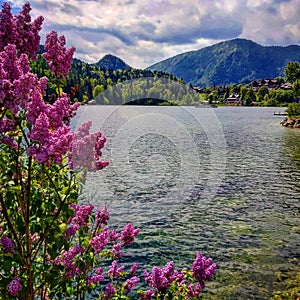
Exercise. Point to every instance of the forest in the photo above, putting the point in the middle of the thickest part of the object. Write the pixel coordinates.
(89, 83)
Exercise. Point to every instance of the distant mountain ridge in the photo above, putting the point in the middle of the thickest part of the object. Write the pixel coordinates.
(229, 62)
(111, 62)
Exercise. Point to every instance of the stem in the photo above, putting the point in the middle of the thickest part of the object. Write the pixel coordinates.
(12, 228)
(30, 293)
(43, 291)
(20, 181)
(56, 215)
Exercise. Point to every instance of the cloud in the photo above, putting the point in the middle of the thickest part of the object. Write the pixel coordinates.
(144, 32)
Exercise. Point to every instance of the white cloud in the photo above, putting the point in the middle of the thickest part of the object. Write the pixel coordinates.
(146, 31)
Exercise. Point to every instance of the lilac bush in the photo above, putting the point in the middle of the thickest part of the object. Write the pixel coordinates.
(52, 247)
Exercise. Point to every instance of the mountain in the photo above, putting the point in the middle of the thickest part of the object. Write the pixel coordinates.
(229, 62)
(112, 62)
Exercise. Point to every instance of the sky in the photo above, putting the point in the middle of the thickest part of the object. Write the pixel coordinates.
(143, 32)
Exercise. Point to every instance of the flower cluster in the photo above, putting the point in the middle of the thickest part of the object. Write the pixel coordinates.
(16, 82)
(7, 244)
(203, 269)
(188, 283)
(161, 278)
(68, 260)
(19, 30)
(51, 132)
(22, 90)
(85, 149)
(14, 287)
(57, 56)
(97, 241)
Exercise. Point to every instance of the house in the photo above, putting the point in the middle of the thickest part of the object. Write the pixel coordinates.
(271, 84)
(233, 100)
(286, 86)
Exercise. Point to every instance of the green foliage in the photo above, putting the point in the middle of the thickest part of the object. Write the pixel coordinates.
(293, 110)
(249, 97)
(86, 81)
(261, 93)
(292, 71)
(296, 88)
(34, 198)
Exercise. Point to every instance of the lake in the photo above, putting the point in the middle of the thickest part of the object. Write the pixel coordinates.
(224, 181)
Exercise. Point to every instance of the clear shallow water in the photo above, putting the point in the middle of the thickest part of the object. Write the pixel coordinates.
(222, 181)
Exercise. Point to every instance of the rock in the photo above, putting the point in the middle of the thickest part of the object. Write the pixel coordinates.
(291, 122)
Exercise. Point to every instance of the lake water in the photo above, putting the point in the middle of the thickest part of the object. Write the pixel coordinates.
(222, 181)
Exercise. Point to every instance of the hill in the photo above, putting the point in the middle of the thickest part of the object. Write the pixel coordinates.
(86, 82)
(111, 62)
(229, 62)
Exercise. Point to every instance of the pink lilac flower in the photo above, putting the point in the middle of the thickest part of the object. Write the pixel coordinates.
(134, 268)
(82, 213)
(61, 112)
(203, 269)
(71, 231)
(57, 56)
(72, 271)
(194, 291)
(9, 141)
(16, 82)
(14, 287)
(131, 283)
(19, 30)
(102, 216)
(50, 132)
(100, 240)
(68, 260)
(109, 291)
(114, 271)
(168, 271)
(7, 26)
(128, 234)
(94, 279)
(34, 237)
(37, 106)
(27, 37)
(116, 249)
(114, 235)
(161, 278)
(148, 295)
(156, 279)
(85, 149)
(7, 244)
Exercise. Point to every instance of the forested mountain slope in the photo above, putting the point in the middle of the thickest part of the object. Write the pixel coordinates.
(234, 61)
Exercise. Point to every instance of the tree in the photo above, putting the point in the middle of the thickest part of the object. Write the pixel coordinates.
(296, 88)
(261, 93)
(292, 71)
(249, 97)
(293, 110)
(98, 89)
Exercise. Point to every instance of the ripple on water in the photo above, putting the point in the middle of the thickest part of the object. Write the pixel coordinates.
(251, 224)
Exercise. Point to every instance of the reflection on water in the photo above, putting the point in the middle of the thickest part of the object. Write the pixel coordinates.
(165, 165)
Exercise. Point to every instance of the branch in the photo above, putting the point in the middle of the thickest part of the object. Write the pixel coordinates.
(12, 228)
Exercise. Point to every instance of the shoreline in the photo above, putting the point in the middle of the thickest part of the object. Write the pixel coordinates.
(291, 122)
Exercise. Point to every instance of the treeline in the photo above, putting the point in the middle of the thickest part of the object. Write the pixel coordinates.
(88, 83)
(249, 96)
(263, 95)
